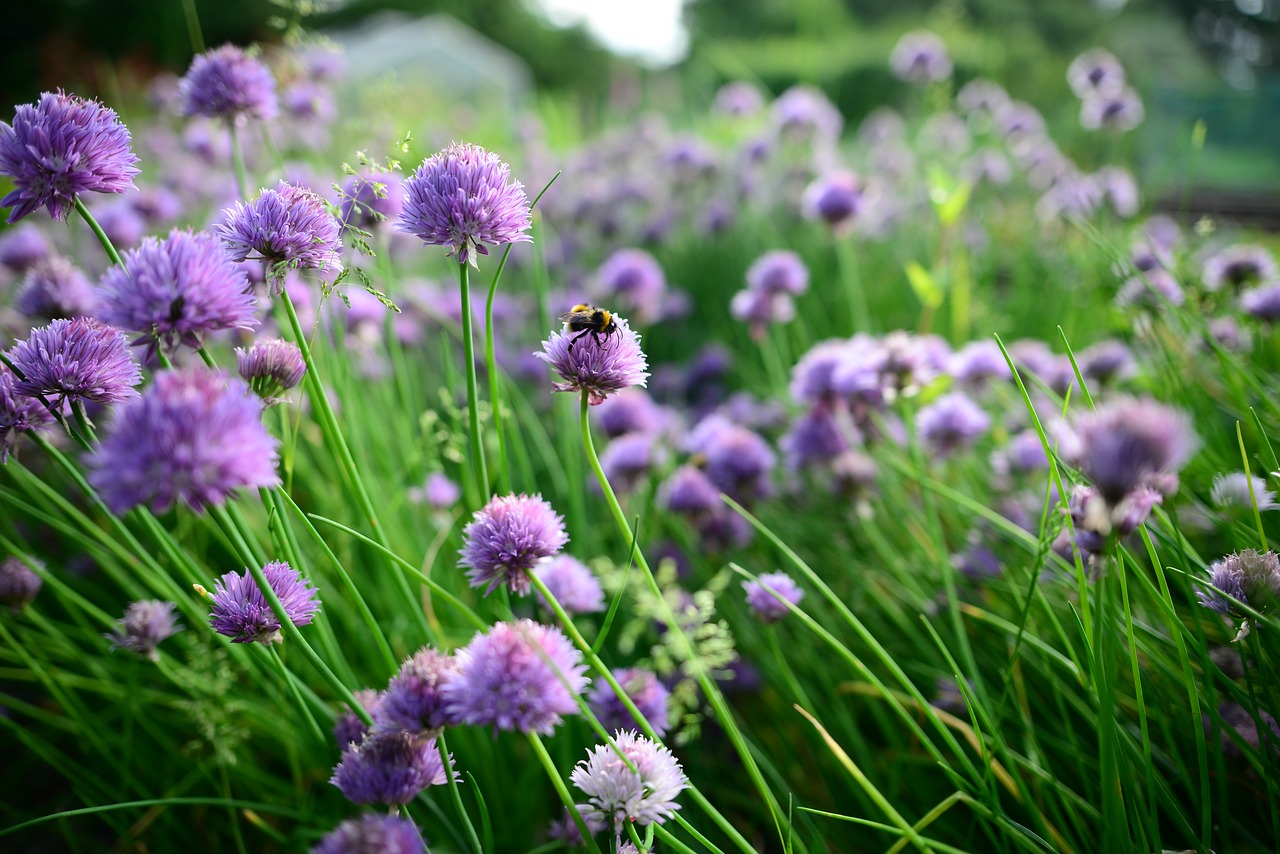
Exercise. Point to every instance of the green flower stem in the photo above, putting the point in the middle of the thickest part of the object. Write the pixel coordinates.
(338, 445)
(714, 697)
(294, 634)
(473, 395)
(673, 843)
(101, 235)
(495, 383)
(859, 313)
(237, 161)
(456, 795)
(288, 679)
(563, 791)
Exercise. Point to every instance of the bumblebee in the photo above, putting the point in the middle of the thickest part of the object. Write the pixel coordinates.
(588, 320)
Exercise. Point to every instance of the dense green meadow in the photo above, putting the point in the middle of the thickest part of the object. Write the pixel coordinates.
(1009, 637)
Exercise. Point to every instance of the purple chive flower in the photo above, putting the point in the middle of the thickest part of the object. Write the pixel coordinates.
(981, 96)
(738, 461)
(738, 98)
(1119, 188)
(1238, 265)
(1025, 452)
(689, 492)
(629, 458)
(18, 414)
(439, 491)
(23, 246)
(271, 367)
(1095, 72)
(60, 147)
(1151, 288)
(644, 689)
(599, 369)
(195, 436)
(835, 198)
(227, 83)
(1128, 443)
(616, 794)
(76, 360)
(1119, 111)
(389, 768)
(779, 271)
(951, 423)
(629, 411)
(505, 540)
(288, 227)
(1249, 576)
(1107, 361)
(520, 676)
(240, 611)
(53, 289)
(818, 436)
(349, 728)
(633, 278)
(413, 701)
(123, 225)
(1239, 491)
(1262, 302)
(145, 624)
(371, 199)
(370, 833)
(310, 102)
(564, 829)
(920, 57)
(173, 292)
(763, 603)
(19, 584)
(811, 378)
(463, 197)
(978, 362)
(806, 114)
(572, 584)
(761, 309)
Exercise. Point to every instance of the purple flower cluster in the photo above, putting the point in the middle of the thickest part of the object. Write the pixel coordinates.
(75, 361)
(1249, 577)
(145, 624)
(227, 83)
(644, 689)
(414, 700)
(59, 148)
(371, 199)
(195, 436)
(271, 367)
(634, 280)
(572, 584)
(772, 280)
(920, 57)
(389, 768)
(519, 676)
(617, 794)
(174, 291)
(240, 611)
(19, 414)
(762, 600)
(1130, 443)
(599, 368)
(463, 197)
(19, 584)
(951, 423)
(507, 538)
(288, 228)
(54, 289)
(370, 833)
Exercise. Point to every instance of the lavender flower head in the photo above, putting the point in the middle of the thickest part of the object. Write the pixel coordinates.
(950, 423)
(73, 361)
(55, 288)
(239, 610)
(145, 624)
(413, 701)
(572, 584)
(373, 833)
(1250, 577)
(227, 83)
(616, 794)
(598, 368)
(388, 768)
(505, 540)
(18, 414)
(807, 114)
(520, 676)
(438, 491)
(349, 728)
(463, 197)
(629, 411)
(762, 309)
(644, 689)
(23, 246)
(19, 584)
(288, 227)
(920, 57)
(174, 291)
(1120, 111)
(271, 367)
(738, 98)
(977, 362)
(634, 278)
(1128, 443)
(1238, 491)
(1095, 72)
(779, 271)
(764, 604)
(1238, 265)
(689, 492)
(59, 148)
(194, 436)
(835, 198)
(371, 199)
